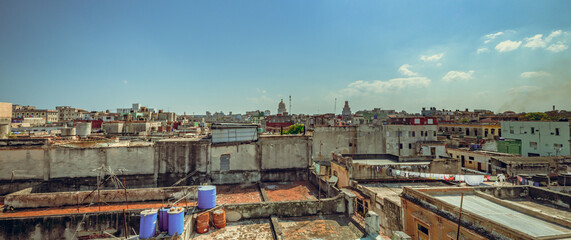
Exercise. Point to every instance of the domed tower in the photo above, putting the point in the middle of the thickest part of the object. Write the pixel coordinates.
(282, 107)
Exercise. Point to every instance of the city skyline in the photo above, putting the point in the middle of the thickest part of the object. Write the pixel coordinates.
(243, 56)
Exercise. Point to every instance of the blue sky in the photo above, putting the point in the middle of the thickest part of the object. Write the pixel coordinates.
(194, 56)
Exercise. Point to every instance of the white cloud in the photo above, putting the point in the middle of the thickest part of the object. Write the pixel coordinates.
(377, 86)
(492, 36)
(261, 91)
(405, 71)
(507, 46)
(458, 76)
(553, 34)
(535, 42)
(432, 58)
(557, 47)
(534, 74)
(482, 50)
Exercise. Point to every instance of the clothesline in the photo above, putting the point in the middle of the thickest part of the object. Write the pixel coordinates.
(472, 180)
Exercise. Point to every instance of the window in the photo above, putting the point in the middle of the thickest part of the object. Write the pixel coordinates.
(410, 146)
(493, 131)
(417, 121)
(413, 133)
(224, 162)
(430, 121)
(511, 129)
(471, 158)
(434, 134)
(532, 130)
(400, 145)
(557, 131)
(533, 145)
(422, 231)
(422, 133)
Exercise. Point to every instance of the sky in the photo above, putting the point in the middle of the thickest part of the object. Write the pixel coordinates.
(237, 56)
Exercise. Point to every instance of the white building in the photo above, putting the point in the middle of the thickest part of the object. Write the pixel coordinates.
(539, 138)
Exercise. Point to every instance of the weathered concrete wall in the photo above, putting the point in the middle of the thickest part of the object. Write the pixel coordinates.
(285, 152)
(333, 139)
(25, 163)
(79, 162)
(242, 157)
(347, 140)
(243, 211)
(36, 200)
(64, 227)
(279, 158)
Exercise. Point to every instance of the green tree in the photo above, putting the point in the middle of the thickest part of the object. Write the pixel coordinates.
(537, 116)
(294, 129)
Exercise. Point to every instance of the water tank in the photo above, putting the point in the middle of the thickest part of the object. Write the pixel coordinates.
(163, 219)
(83, 129)
(176, 221)
(219, 217)
(206, 197)
(203, 223)
(68, 132)
(148, 225)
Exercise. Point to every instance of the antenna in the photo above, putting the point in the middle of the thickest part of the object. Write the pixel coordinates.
(335, 107)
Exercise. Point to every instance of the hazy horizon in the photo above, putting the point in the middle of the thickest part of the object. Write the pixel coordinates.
(193, 57)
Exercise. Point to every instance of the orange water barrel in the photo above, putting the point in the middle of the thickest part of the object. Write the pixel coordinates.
(219, 218)
(202, 223)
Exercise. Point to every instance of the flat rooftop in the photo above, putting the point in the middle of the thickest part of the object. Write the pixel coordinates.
(392, 191)
(225, 194)
(329, 227)
(513, 219)
(290, 191)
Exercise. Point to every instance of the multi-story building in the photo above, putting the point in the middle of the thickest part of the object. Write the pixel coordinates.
(67, 113)
(539, 138)
(22, 112)
(404, 135)
(477, 160)
(477, 130)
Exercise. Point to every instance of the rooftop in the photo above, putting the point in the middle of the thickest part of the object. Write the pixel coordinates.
(508, 217)
(392, 191)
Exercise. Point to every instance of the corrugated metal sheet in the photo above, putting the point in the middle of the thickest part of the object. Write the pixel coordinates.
(234, 134)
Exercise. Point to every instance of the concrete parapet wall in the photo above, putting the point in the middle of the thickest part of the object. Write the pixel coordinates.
(36, 200)
(275, 158)
(243, 211)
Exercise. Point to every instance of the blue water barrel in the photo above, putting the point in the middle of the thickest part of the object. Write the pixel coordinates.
(206, 197)
(176, 221)
(163, 220)
(148, 224)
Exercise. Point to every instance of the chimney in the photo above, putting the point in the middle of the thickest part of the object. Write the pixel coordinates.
(553, 107)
